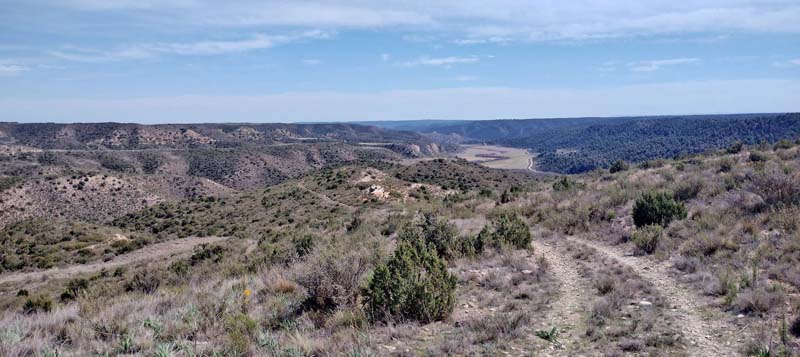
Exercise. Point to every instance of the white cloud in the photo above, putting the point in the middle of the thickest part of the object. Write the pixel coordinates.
(787, 63)
(480, 41)
(312, 61)
(385, 57)
(441, 61)
(474, 21)
(740, 96)
(151, 50)
(466, 78)
(651, 66)
(8, 69)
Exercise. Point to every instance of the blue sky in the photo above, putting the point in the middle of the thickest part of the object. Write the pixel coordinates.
(158, 61)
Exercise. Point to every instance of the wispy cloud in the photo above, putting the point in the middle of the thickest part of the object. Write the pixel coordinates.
(787, 63)
(441, 61)
(480, 41)
(311, 61)
(385, 57)
(466, 78)
(151, 50)
(9, 69)
(651, 66)
(470, 21)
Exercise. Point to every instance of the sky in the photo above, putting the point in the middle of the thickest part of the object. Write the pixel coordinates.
(181, 61)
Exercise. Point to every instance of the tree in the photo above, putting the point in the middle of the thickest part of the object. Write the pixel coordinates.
(618, 166)
(414, 285)
(657, 208)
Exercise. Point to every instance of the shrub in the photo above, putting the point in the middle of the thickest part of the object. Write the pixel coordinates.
(757, 156)
(303, 244)
(74, 289)
(239, 331)
(204, 252)
(414, 284)
(657, 208)
(505, 229)
(618, 166)
(435, 231)
(777, 187)
(726, 165)
(144, 281)
(333, 280)
(646, 238)
(687, 190)
(783, 144)
(511, 229)
(795, 327)
(38, 303)
(735, 148)
(564, 184)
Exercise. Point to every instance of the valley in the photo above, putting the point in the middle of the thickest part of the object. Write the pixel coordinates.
(193, 251)
(498, 157)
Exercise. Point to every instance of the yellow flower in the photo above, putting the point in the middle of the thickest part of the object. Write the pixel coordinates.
(247, 293)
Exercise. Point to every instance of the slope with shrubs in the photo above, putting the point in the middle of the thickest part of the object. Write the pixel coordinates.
(360, 260)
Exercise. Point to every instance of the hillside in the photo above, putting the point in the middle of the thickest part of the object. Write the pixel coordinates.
(514, 264)
(575, 145)
(97, 172)
(120, 136)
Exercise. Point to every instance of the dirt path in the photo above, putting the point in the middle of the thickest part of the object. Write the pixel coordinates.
(568, 312)
(706, 333)
(151, 252)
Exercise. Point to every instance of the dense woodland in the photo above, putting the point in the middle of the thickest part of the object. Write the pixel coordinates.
(575, 145)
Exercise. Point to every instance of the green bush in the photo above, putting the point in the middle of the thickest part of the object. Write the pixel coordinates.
(507, 229)
(413, 285)
(74, 289)
(689, 189)
(783, 144)
(646, 238)
(757, 156)
(145, 281)
(204, 252)
(38, 303)
(726, 165)
(303, 244)
(511, 229)
(618, 166)
(435, 231)
(564, 184)
(657, 208)
(735, 148)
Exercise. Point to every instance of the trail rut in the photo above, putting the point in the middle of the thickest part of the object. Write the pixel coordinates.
(568, 312)
(707, 334)
(151, 252)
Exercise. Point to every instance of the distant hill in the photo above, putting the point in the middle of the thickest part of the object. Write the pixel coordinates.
(114, 136)
(574, 145)
(97, 171)
(413, 125)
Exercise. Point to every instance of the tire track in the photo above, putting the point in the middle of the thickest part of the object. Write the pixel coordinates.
(567, 314)
(707, 336)
(151, 252)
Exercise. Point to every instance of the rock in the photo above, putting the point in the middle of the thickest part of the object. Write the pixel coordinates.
(740, 316)
(526, 271)
(645, 303)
